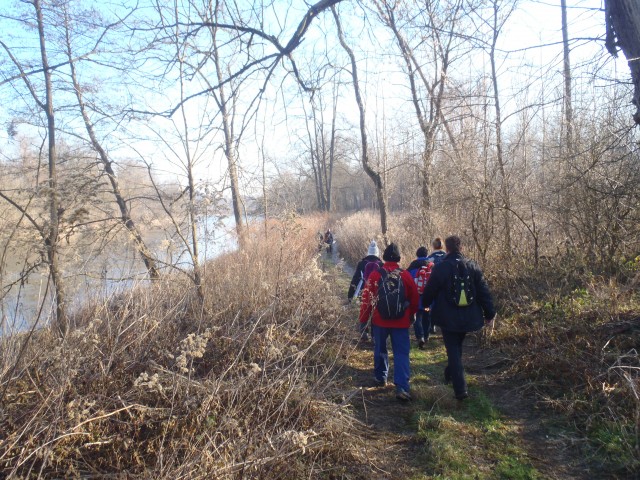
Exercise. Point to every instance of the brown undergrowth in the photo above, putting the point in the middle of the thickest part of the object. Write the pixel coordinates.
(571, 338)
(156, 383)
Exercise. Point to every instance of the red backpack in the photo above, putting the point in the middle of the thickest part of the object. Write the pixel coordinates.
(422, 277)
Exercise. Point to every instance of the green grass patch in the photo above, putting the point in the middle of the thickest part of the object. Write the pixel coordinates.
(614, 444)
(462, 440)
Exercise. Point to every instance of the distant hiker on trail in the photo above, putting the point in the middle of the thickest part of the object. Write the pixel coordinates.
(420, 270)
(463, 304)
(364, 268)
(438, 253)
(320, 238)
(328, 239)
(390, 299)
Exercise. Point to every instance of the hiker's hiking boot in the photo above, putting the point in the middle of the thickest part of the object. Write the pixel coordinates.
(421, 343)
(379, 383)
(403, 395)
(462, 396)
(366, 343)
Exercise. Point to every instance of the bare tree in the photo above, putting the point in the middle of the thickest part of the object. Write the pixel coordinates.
(125, 214)
(427, 64)
(322, 145)
(497, 24)
(51, 231)
(566, 73)
(374, 175)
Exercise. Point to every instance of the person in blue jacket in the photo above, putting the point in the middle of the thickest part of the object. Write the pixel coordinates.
(455, 320)
(421, 326)
(435, 257)
(438, 253)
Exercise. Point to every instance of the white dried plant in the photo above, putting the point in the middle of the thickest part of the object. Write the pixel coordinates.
(192, 347)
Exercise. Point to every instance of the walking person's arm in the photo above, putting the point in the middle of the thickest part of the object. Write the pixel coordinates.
(483, 295)
(357, 277)
(412, 292)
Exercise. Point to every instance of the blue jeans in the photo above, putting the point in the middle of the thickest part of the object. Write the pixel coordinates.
(454, 370)
(400, 345)
(422, 325)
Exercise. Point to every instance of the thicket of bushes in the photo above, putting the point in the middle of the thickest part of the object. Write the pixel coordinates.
(572, 338)
(159, 384)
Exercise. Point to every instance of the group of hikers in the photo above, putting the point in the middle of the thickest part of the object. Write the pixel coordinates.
(441, 288)
(326, 239)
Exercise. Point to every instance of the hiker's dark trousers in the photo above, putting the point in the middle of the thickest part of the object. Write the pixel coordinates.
(455, 371)
(422, 325)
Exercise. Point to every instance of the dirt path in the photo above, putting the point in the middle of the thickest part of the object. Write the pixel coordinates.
(397, 445)
(552, 448)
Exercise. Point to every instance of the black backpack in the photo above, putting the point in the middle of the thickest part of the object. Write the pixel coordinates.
(462, 292)
(391, 302)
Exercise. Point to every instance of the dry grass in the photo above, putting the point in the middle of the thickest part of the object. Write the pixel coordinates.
(572, 338)
(156, 383)
(354, 234)
(356, 231)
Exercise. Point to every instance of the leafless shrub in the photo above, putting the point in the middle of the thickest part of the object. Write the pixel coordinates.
(573, 341)
(155, 383)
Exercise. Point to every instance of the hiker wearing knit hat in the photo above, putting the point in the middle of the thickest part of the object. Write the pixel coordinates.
(391, 253)
(359, 277)
(365, 266)
(373, 249)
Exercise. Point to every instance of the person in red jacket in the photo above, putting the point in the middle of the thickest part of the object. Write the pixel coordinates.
(397, 328)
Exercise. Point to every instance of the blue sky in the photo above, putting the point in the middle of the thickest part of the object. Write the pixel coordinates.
(529, 47)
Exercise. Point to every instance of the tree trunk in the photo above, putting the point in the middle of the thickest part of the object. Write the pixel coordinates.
(125, 214)
(373, 175)
(229, 152)
(62, 320)
(623, 31)
(315, 162)
(318, 148)
(229, 147)
(332, 149)
(504, 184)
(568, 105)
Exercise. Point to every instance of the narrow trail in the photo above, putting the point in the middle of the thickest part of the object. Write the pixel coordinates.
(553, 450)
(402, 446)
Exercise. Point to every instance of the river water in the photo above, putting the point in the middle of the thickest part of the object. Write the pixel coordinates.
(100, 271)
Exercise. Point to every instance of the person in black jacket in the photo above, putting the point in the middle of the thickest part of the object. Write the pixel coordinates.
(455, 320)
(358, 276)
(358, 281)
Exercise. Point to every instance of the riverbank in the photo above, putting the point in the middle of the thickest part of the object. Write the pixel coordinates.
(158, 382)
